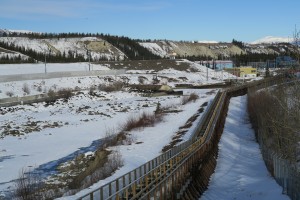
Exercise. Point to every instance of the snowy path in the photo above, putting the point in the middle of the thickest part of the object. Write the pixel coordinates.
(240, 172)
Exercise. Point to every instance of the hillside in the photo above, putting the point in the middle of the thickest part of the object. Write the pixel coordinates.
(68, 47)
(215, 50)
(25, 46)
(182, 49)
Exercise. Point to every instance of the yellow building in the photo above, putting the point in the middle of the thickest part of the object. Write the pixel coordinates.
(248, 72)
(245, 72)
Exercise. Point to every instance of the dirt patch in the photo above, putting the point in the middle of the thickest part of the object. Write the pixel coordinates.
(10, 128)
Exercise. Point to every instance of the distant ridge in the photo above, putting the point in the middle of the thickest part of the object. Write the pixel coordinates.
(272, 39)
(208, 41)
(3, 31)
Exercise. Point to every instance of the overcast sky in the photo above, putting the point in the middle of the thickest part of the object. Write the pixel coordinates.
(220, 20)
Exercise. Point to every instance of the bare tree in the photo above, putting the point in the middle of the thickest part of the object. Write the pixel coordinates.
(275, 114)
(28, 186)
(296, 41)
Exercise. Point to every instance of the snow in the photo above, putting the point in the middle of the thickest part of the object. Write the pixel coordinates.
(77, 128)
(153, 140)
(208, 41)
(51, 146)
(20, 31)
(240, 172)
(154, 48)
(65, 45)
(271, 39)
(42, 86)
(13, 69)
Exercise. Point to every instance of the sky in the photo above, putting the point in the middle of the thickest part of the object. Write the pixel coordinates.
(218, 20)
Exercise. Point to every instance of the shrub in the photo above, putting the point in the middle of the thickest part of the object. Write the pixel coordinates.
(51, 94)
(65, 93)
(115, 86)
(92, 90)
(275, 118)
(29, 186)
(100, 168)
(77, 89)
(39, 88)
(186, 99)
(144, 120)
(9, 93)
(26, 88)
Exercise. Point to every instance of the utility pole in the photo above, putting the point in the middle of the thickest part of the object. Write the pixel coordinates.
(49, 51)
(206, 71)
(89, 57)
(88, 53)
(45, 62)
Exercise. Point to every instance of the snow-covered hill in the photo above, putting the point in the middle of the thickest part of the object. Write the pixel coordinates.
(100, 49)
(6, 31)
(97, 47)
(211, 48)
(271, 40)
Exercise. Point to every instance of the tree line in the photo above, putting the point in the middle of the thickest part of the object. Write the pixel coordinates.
(38, 56)
(132, 49)
(15, 60)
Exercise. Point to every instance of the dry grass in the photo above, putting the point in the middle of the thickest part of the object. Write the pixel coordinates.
(115, 86)
(65, 93)
(141, 121)
(187, 99)
(30, 187)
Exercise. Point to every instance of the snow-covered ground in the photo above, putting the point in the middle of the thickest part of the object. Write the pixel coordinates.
(13, 69)
(167, 76)
(48, 135)
(240, 172)
(79, 122)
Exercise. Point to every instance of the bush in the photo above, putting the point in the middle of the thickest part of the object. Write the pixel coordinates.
(29, 186)
(51, 94)
(186, 99)
(92, 90)
(275, 118)
(144, 120)
(9, 93)
(115, 86)
(26, 88)
(65, 93)
(102, 166)
(39, 88)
